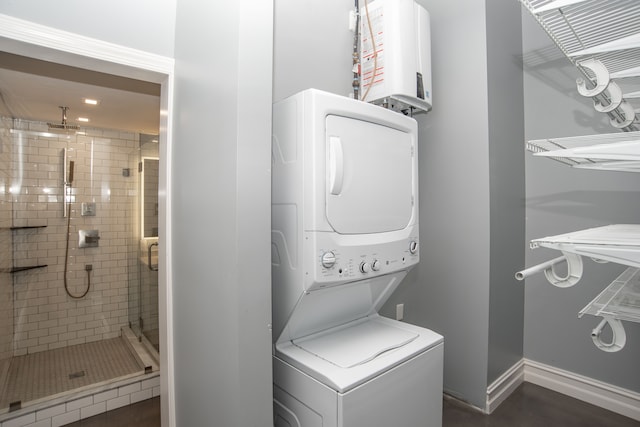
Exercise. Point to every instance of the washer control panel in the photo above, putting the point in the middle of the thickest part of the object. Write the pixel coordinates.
(334, 263)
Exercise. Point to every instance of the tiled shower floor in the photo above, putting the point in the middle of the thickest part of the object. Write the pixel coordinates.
(38, 375)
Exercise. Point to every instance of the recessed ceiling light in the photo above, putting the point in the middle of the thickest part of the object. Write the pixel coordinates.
(83, 119)
(90, 101)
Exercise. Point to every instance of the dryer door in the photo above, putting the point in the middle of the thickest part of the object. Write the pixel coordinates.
(371, 176)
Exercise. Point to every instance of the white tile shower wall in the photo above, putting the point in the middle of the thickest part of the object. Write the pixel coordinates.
(45, 317)
(6, 282)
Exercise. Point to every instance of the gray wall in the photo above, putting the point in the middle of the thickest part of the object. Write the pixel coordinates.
(449, 290)
(312, 47)
(146, 25)
(560, 200)
(221, 207)
(507, 186)
(471, 196)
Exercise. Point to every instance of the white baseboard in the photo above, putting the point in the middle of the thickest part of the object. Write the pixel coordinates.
(502, 387)
(607, 396)
(616, 399)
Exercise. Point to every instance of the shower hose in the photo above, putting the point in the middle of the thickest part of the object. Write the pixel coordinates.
(66, 254)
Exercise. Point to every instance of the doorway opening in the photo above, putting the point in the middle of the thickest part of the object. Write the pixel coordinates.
(108, 199)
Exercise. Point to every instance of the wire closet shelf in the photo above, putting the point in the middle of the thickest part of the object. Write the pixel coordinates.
(602, 40)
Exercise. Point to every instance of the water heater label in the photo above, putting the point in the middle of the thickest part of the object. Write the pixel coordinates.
(372, 47)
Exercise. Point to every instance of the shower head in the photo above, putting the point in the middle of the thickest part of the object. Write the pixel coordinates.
(63, 126)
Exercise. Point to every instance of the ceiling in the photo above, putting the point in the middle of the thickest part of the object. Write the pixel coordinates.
(32, 89)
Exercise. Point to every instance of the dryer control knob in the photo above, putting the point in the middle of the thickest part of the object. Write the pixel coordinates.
(413, 247)
(375, 265)
(328, 259)
(365, 267)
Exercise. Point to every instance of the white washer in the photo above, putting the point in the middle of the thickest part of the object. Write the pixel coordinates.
(373, 372)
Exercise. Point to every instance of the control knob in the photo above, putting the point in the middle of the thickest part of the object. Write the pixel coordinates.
(375, 265)
(365, 267)
(413, 247)
(328, 259)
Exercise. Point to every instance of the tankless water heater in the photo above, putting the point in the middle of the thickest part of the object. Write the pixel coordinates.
(395, 55)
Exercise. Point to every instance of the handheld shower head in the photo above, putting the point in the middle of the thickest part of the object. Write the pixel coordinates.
(70, 172)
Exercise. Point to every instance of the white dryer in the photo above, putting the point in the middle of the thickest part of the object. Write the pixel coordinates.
(344, 235)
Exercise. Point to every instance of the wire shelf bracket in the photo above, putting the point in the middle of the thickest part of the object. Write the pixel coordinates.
(620, 301)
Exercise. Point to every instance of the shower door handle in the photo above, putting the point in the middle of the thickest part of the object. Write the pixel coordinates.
(151, 266)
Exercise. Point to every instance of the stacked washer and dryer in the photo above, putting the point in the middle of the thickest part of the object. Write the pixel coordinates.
(344, 235)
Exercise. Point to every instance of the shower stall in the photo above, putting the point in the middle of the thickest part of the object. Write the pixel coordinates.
(78, 261)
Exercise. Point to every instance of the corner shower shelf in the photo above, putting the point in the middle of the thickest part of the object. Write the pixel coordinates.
(602, 40)
(27, 267)
(24, 227)
(616, 151)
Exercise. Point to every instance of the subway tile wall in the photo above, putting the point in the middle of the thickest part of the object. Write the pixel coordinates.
(44, 316)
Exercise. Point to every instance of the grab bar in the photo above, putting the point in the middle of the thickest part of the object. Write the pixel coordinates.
(151, 266)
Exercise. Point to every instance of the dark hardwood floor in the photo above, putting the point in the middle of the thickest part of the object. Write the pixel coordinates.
(528, 406)
(141, 414)
(534, 406)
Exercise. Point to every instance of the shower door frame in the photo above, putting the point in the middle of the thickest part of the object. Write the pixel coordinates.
(46, 43)
(147, 273)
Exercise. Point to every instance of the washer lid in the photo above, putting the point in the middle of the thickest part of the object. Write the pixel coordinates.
(356, 344)
(345, 347)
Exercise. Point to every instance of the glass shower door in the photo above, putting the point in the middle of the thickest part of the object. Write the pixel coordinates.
(144, 311)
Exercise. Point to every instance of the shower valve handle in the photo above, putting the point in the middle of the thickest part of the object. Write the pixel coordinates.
(91, 239)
